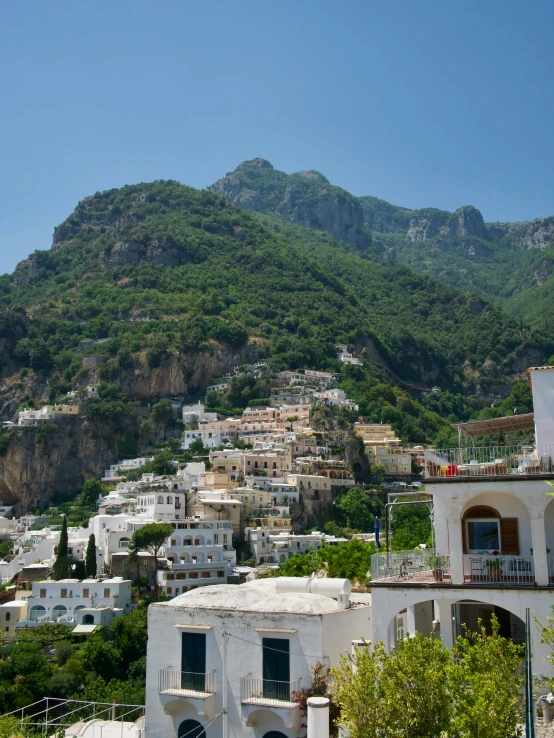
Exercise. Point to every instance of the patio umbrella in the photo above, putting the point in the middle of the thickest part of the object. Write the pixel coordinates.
(376, 531)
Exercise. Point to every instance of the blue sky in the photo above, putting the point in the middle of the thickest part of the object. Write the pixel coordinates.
(428, 103)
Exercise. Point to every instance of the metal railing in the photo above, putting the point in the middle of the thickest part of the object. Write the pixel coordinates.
(170, 680)
(51, 714)
(487, 461)
(498, 570)
(267, 691)
(414, 566)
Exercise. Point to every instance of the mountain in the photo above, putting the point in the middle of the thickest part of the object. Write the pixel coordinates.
(508, 263)
(305, 198)
(167, 270)
(155, 289)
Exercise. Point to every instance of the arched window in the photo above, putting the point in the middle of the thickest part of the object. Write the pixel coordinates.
(58, 612)
(160, 500)
(191, 729)
(8, 616)
(481, 529)
(37, 612)
(124, 542)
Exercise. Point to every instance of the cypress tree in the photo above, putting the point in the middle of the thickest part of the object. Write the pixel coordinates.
(90, 557)
(62, 565)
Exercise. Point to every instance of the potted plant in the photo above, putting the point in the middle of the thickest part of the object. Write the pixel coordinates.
(438, 564)
(494, 567)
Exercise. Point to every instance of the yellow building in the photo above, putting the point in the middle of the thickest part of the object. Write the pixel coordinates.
(10, 613)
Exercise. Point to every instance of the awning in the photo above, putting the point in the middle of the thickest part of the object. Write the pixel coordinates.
(508, 424)
(84, 629)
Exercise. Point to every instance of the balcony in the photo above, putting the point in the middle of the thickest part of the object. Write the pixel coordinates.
(498, 570)
(488, 461)
(422, 567)
(427, 567)
(185, 683)
(196, 689)
(268, 692)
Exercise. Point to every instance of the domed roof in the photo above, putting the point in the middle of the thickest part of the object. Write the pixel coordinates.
(258, 596)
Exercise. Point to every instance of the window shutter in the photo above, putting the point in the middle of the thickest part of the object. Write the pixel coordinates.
(509, 538)
(464, 541)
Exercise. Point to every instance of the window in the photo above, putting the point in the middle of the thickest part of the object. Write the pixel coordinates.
(225, 538)
(206, 575)
(197, 541)
(180, 575)
(42, 593)
(160, 500)
(216, 537)
(170, 590)
(64, 592)
(106, 591)
(8, 616)
(173, 542)
(169, 500)
(171, 576)
(193, 575)
(483, 534)
(220, 573)
(275, 465)
(85, 592)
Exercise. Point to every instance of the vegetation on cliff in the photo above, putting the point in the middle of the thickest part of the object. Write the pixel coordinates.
(161, 269)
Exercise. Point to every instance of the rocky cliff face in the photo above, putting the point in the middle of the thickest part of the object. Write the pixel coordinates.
(54, 458)
(305, 198)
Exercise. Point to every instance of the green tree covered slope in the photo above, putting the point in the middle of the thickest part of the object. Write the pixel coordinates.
(161, 268)
(509, 263)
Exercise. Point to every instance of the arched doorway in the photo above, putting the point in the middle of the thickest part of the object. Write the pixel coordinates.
(274, 734)
(191, 729)
(88, 619)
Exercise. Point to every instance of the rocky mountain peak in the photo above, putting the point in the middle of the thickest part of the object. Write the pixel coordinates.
(312, 174)
(259, 163)
(465, 222)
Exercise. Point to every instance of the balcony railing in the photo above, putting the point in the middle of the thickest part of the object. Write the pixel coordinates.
(185, 682)
(411, 566)
(267, 691)
(498, 570)
(488, 461)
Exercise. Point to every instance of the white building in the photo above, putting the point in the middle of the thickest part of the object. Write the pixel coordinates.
(198, 412)
(259, 641)
(347, 358)
(193, 475)
(209, 438)
(271, 547)
(337, 398)
(46, 413)
(92, 601)
(126, 465)
(199, 552)
(494, 530)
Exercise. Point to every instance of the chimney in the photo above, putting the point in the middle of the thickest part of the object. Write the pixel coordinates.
(541, 380)
(318, 717)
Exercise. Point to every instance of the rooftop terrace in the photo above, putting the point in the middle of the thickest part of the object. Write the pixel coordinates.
(488, 462)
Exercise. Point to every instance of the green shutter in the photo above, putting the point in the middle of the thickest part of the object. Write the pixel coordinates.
(276, 667)
(193, 660)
